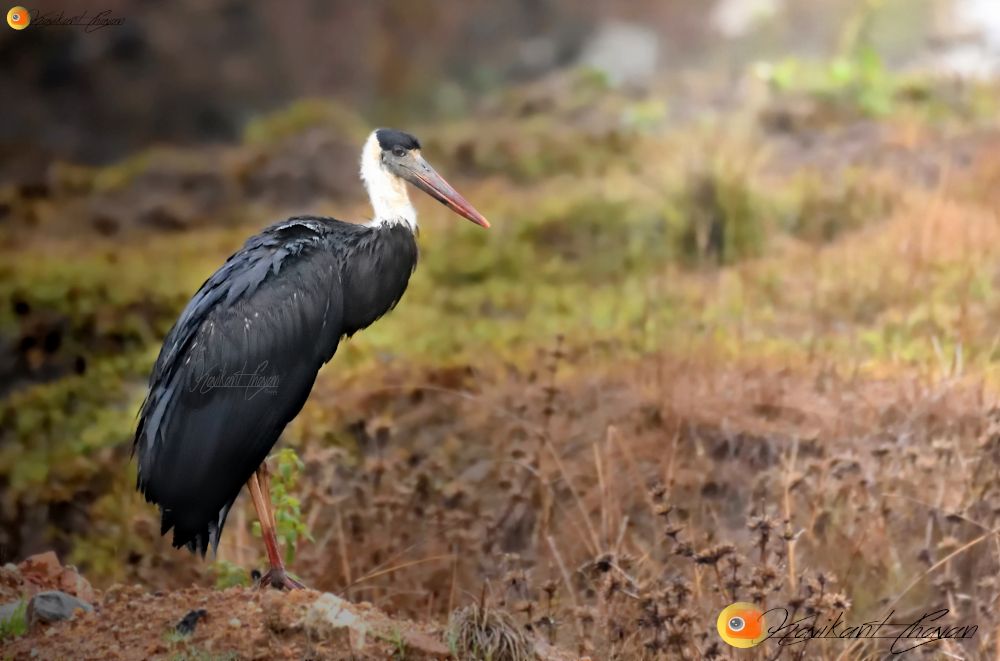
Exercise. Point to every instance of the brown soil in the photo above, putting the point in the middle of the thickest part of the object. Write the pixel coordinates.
(129, 622)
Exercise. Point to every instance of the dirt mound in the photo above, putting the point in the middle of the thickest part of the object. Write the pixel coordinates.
(129, 622)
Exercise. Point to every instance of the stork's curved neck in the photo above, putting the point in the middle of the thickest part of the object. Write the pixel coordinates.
(387, 192)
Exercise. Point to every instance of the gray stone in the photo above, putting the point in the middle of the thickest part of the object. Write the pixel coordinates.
(54, 606)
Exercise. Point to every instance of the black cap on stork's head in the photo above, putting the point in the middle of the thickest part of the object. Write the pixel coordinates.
(391, 158)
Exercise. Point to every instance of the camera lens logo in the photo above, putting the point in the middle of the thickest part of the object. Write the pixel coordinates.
(741, 625)
(18, 18)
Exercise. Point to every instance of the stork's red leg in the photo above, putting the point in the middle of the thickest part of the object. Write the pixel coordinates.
(264, 477)
(260, 491)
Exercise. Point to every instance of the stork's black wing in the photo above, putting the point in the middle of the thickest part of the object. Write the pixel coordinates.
(235, 369)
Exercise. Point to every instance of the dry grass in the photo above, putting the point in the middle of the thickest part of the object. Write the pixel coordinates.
(616, 510)
(478, 633)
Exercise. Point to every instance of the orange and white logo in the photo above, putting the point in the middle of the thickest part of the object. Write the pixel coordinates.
(18, 18)
(741, 625)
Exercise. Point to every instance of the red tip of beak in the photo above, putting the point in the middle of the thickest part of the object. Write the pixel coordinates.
(478, 220)
(434, 184)
(454, 201)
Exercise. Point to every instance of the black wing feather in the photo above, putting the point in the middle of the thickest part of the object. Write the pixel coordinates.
(204, 429)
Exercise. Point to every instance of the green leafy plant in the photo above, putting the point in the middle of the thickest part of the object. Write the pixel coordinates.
(399, 645)
(290, 528)
(228, 574)
(16, 624)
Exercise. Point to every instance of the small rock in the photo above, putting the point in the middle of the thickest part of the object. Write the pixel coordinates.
(331, 618)
(71, 582)
(235, 623)
(44, 571)
(41, 567)
(53, 606)
(190, 621)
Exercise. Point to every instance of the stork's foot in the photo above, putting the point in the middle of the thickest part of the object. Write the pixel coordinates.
(278, 578)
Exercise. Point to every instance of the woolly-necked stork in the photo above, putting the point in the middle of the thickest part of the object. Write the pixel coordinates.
(241, 360)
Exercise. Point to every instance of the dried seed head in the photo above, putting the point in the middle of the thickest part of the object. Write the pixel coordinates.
(761, 524)
(663, 509)
(840, 601)
(672, 531)
(550, 587)
(713, 554)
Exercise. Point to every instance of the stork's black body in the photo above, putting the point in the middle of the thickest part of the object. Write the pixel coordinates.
(239, 363)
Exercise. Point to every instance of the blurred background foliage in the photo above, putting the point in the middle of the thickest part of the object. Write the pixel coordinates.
(791, 183)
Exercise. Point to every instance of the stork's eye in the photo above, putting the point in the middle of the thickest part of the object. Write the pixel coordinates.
(398, 152)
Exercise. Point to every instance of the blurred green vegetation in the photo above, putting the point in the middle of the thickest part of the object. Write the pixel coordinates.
(15, 624)
(301, 115)
(825, 209)
(228, 574)
(861, 85)
(857, 82)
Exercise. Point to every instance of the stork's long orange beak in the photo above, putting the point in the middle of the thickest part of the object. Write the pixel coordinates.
(424, 177)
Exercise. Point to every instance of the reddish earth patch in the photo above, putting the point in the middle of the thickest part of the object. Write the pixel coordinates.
(130, 622)
(42, 572)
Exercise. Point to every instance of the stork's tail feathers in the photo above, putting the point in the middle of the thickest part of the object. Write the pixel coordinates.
(194, 532)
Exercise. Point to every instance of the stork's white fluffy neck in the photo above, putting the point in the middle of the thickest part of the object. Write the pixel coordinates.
(387, 192)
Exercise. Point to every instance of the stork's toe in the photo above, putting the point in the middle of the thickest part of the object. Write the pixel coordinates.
(278, 578)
